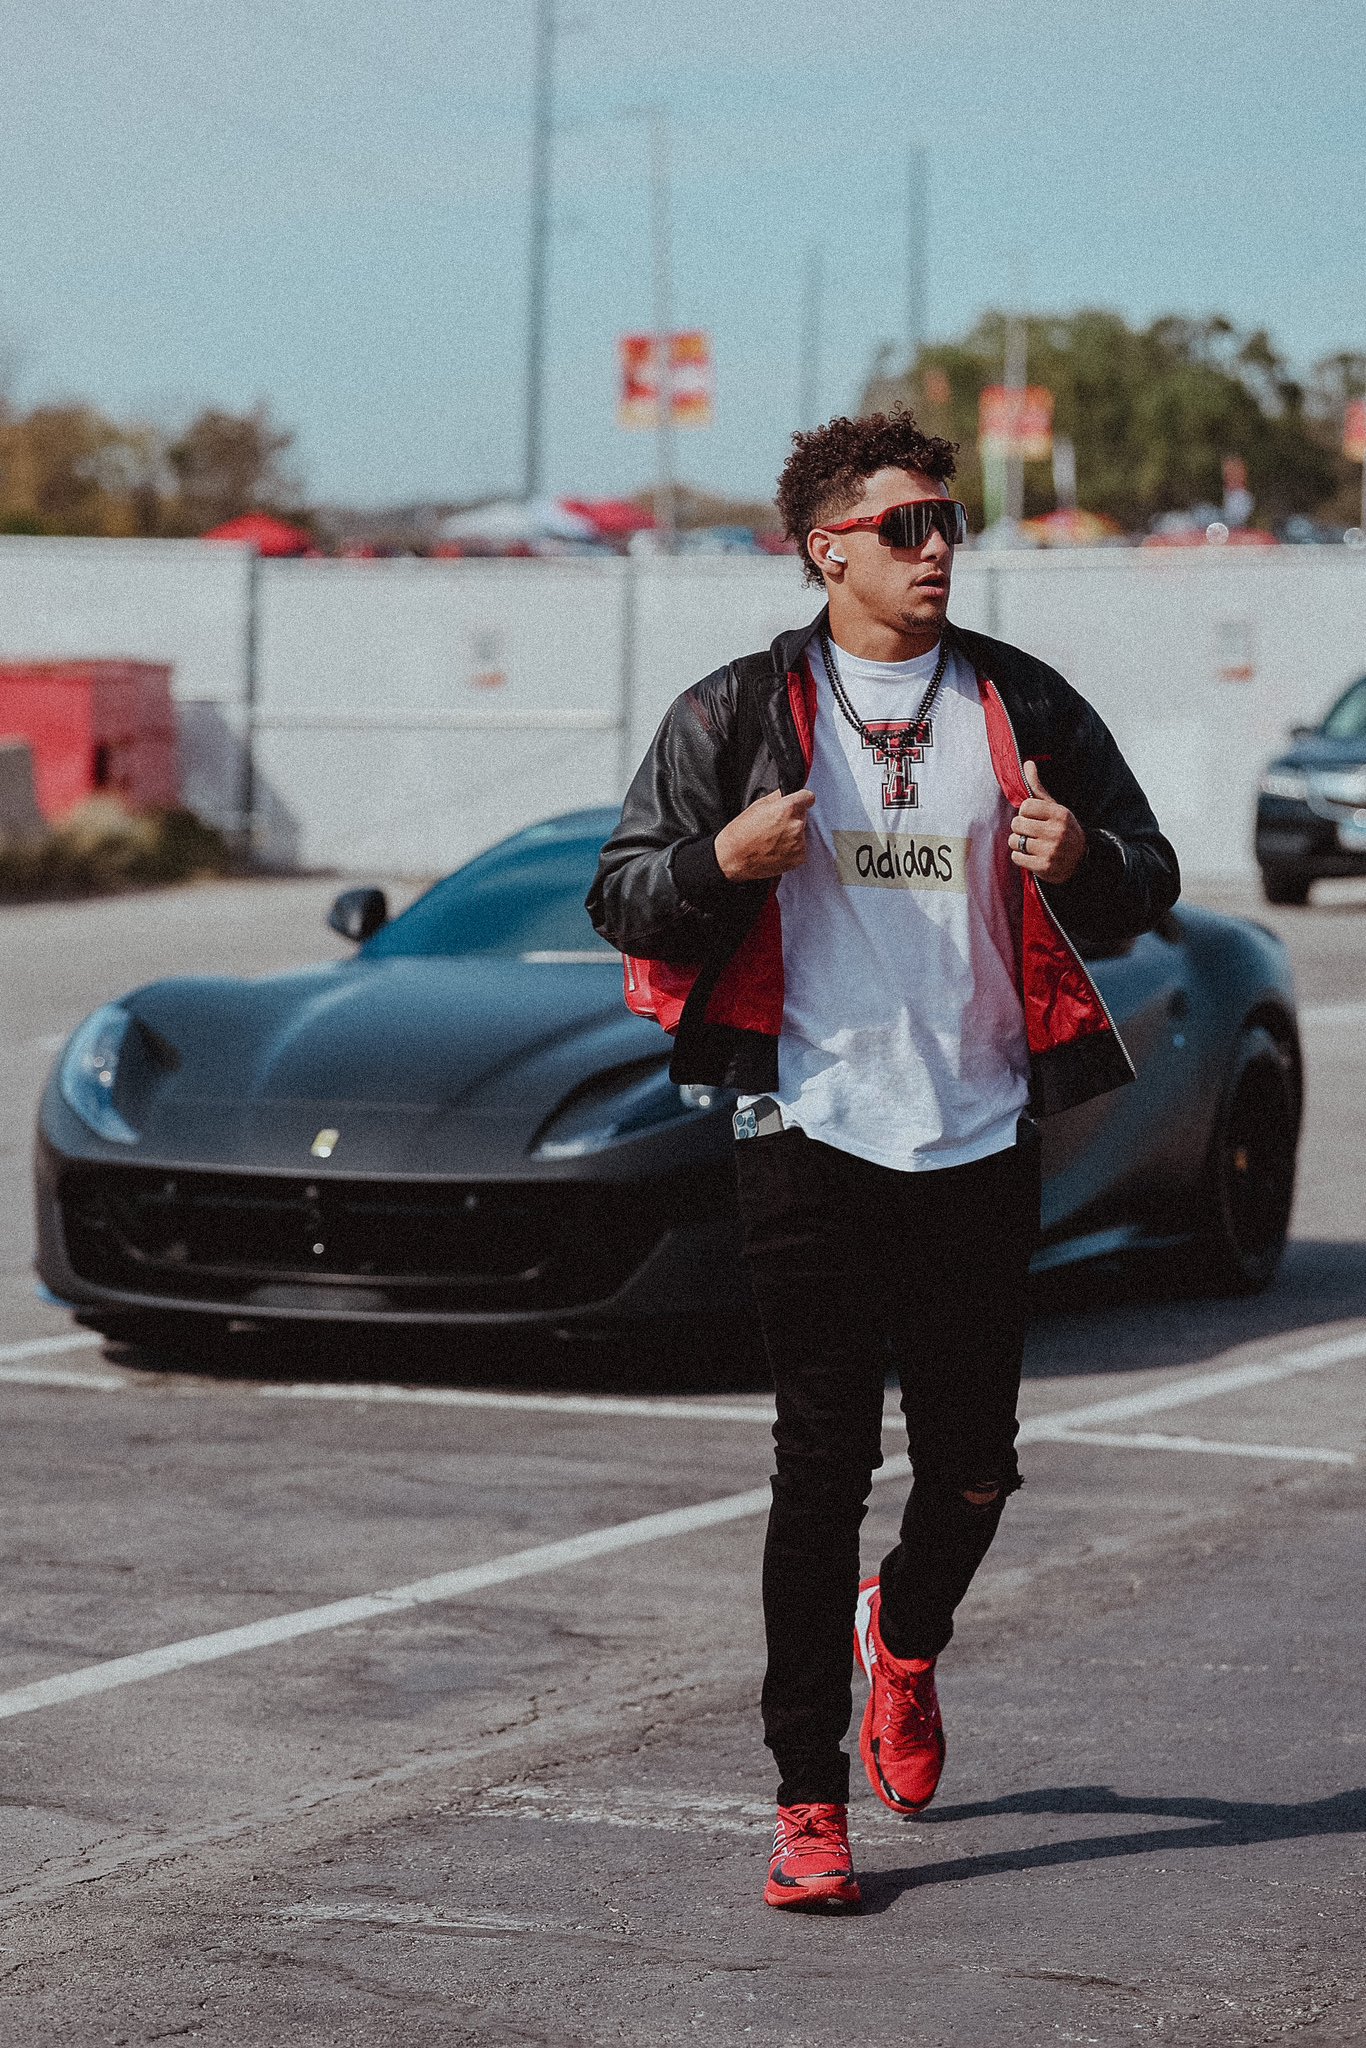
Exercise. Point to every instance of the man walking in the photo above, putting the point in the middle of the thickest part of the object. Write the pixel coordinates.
(856, 876)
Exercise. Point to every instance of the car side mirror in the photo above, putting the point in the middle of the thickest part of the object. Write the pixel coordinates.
(358, 914)
(1301, 732)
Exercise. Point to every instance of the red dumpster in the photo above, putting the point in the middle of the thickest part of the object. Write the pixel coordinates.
(95, 728)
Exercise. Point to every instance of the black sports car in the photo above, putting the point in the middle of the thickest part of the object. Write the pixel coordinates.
(464, 1126)
(1311, 807)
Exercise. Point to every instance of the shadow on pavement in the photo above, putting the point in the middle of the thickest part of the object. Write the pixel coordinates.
(1113, 1316)
(679, 1360)
(1218, 1824)
(1143, 1311)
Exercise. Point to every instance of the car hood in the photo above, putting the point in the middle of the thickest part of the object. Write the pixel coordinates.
(420, 1065)
(1316, 752)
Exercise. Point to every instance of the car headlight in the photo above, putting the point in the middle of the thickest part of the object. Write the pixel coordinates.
(90, 1071)
(1342, 786)
(1287, 782)
(617, 1106)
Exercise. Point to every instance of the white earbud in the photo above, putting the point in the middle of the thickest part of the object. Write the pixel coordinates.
(833, 557)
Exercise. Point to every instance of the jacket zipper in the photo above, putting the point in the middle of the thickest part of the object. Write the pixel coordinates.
(1053, 917)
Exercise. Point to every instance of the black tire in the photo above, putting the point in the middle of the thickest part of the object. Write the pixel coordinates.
(1286, 885)
(1249, 1183)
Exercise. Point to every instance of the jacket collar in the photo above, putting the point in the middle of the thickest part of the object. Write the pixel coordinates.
(786, 649)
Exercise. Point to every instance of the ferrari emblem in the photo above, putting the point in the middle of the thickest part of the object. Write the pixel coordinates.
(325, 1144)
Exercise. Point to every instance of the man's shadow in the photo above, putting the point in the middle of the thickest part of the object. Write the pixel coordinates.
(1216, 1824)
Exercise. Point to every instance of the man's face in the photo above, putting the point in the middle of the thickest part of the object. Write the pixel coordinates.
(899, 587)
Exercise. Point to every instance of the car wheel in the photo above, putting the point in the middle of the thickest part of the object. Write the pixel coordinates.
(1285, 885)
(1250, 1174)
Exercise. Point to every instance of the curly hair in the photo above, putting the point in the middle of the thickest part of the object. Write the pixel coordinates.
(828, 466)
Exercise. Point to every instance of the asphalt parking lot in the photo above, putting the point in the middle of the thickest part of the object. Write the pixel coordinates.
(408, 1709)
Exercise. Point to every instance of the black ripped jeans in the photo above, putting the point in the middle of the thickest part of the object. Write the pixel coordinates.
(856, 1267)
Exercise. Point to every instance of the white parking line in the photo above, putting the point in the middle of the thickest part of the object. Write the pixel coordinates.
(15, 1364)
(673, 1522)
(15, 1369)
(283, 1628)
(1202, 1386)
(536, 1404)
(1045, 1428)
(1333, 1013)
(59, 1376)
(45, 1347)
(613, 1404)
(1151, 1440)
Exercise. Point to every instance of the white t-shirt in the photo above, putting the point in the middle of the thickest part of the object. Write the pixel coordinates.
(903, 1037)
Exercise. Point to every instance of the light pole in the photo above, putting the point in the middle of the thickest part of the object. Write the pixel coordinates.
(917, 207)
(251, 693)
(661, 316)
(661, 238)
(542, 133)
(813, 298)
(1017, 370)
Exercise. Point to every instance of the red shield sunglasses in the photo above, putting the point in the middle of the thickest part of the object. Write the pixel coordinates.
(910, 525)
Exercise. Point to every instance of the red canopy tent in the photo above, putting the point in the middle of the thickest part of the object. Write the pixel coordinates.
(268, 535)
(613, 517)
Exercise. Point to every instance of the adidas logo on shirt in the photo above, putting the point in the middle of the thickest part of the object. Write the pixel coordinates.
(901, 860)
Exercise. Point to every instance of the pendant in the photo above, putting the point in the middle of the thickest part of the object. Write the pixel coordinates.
(896, 753)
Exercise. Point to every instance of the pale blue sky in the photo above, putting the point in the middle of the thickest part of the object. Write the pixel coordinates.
(324, 202)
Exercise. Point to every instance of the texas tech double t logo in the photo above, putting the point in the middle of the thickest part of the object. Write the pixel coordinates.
(897, 748)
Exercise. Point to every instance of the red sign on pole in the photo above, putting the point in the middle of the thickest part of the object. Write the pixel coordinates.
(1016, 422)
(690, 387)
(1354, 431)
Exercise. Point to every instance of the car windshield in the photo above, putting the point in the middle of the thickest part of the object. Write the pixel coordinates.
(1347, 719)
(523, 900)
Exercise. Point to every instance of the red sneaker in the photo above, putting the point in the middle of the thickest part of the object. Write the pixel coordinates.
(902, 1738)
(811, 1864)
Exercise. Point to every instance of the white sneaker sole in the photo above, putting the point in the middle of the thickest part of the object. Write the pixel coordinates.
(863, 1631)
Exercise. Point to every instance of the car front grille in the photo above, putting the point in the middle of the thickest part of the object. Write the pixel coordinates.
(423, 1247)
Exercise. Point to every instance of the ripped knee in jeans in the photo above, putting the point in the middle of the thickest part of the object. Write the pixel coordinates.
(978, 1493)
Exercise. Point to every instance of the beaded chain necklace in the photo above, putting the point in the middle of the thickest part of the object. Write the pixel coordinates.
(909, 736)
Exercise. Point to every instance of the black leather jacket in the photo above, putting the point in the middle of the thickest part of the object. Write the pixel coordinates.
(660, 896)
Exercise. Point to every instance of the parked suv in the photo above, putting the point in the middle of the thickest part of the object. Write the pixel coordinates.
(1311, 807)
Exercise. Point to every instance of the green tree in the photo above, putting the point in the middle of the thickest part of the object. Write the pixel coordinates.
(228, 463)
(67, 469)
(1152, 412)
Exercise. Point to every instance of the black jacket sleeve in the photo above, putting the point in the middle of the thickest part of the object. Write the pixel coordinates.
(1129, 874)
(659, 892)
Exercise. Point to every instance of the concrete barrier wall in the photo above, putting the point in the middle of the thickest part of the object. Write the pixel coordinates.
(1198, 661)
(175, 601)
(412, 712)
(408, 713)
